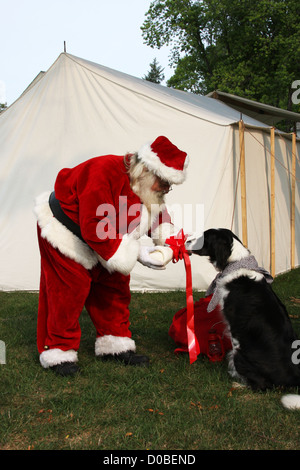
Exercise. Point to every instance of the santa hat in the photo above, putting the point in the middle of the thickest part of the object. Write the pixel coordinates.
(165, 160)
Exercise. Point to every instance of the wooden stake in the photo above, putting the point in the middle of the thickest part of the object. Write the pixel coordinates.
(293, 201)
(272, 261)
(243, 182)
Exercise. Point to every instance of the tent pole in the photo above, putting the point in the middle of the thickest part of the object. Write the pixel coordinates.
(243, 182)
(272, 261)
(293, 201)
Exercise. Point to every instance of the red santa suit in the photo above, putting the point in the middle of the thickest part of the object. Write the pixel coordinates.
(94, 271)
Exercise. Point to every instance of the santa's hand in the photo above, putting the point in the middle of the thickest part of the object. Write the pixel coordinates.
(146, 259)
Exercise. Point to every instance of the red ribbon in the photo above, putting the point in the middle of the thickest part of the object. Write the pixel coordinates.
(177, 243)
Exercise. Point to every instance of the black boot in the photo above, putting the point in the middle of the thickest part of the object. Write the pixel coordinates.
(66, 368)
(127, 358)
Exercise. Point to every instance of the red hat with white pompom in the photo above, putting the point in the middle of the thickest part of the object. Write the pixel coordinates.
(165, 160)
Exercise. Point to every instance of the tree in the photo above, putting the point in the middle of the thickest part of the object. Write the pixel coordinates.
(155, 73)
(246, 47)
(3, 106)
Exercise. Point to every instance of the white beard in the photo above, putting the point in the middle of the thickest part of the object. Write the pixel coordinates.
(153, 200)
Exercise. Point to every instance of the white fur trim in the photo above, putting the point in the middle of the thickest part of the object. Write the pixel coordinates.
(109, 344)
(153, 163)
(60, 237)
(124, 258)
(238, 251)
(292, 402)
(52, 357)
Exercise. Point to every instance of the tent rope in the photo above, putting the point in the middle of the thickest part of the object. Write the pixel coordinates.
(277, 159)
(239, 167)
(235, 196)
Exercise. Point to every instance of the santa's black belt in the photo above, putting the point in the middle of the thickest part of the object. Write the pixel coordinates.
(62, 217)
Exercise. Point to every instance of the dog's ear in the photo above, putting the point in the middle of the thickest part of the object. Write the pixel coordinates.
(222, 252)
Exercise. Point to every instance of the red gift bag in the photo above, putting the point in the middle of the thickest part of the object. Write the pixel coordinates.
(210, 330)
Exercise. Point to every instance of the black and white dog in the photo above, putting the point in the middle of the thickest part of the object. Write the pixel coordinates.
(262, 334)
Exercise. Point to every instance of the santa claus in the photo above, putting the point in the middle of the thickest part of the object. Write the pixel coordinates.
(89, 231)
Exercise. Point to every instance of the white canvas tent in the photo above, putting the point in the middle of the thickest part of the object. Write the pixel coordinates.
(78, 109)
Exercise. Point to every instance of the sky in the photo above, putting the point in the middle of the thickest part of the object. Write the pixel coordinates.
(32, 35)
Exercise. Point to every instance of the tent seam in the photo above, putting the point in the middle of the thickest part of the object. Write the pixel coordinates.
(145, 95)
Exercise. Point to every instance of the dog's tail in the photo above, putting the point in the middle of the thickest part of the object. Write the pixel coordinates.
(292, 402)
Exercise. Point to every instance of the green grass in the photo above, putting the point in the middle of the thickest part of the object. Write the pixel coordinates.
(171, 405)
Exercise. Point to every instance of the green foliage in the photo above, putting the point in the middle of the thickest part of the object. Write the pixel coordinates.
(245, 47)
(155, 73)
